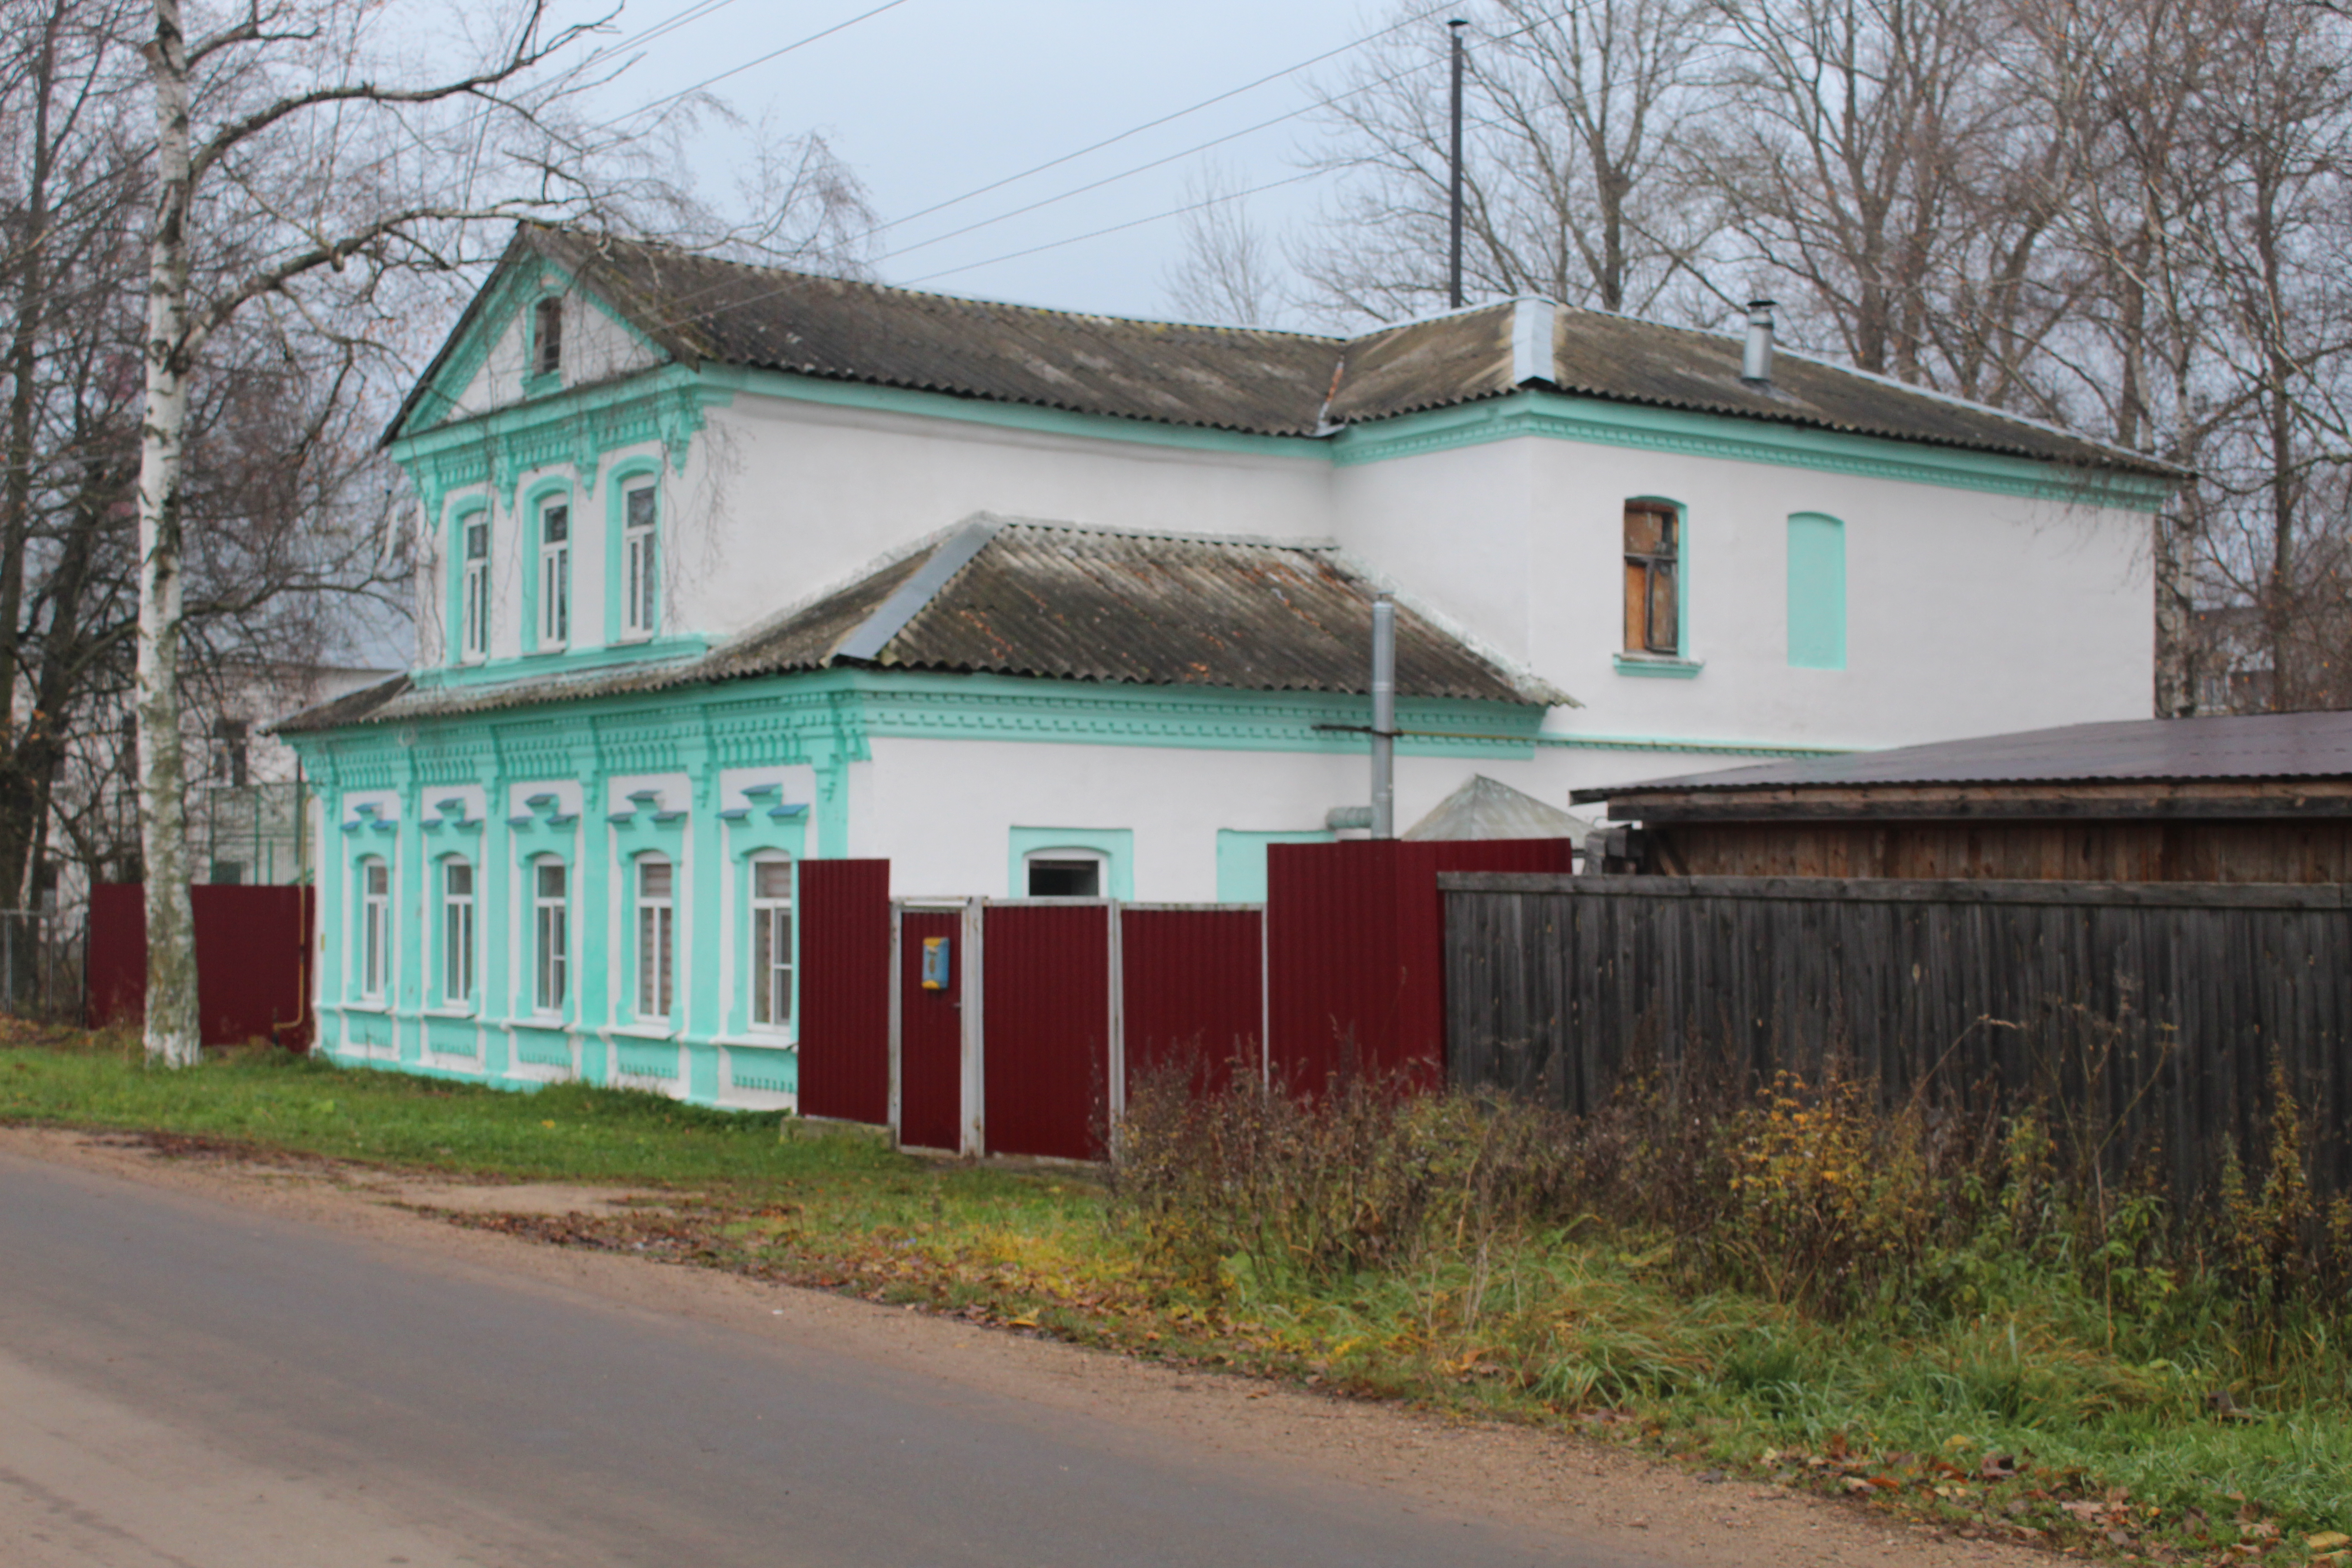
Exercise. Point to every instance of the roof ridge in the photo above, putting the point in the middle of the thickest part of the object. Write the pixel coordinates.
(907, 291)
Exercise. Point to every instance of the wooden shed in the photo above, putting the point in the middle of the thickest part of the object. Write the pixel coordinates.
(2265, 798)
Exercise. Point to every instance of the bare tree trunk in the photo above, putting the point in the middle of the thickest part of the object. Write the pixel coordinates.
(16, 830)
(171, 1036)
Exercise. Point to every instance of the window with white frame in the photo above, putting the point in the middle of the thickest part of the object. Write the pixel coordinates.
(640, 579)
(375, 927)
(551, 934)
(771, 942)
(475, 611)
(1064, 873)
(456, 931)
(657, 931)
(554, 574)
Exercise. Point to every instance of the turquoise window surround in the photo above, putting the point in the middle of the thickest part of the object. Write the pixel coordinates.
(388, 956)
(764, 825)
(1816, 591)
(535, 503)
(627, 473)
(1241, 861)
(543, 832)
(436, 991)
(1657, 667)
(462, 515)
(1115, 845)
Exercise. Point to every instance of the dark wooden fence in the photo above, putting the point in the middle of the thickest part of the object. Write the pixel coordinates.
(2156, 1012)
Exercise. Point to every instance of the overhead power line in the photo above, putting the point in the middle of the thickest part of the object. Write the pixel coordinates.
(1114, 228)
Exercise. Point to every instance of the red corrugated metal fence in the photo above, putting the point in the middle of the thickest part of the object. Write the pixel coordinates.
(252, 961)
(930, 1034)
(1045, 974)
(1355, 953)
(1193, 991)
(844, 955)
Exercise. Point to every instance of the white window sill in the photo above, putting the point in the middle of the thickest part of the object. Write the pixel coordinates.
(368, 1005)
(643, 1031)
(449, 1012)
(776, 1042)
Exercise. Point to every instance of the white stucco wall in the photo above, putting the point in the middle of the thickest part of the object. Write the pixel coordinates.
(1968, 611)
(809, 494)
(943, 812)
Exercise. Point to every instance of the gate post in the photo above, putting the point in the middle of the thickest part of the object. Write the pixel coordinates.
(897, 982)
(972, 1136)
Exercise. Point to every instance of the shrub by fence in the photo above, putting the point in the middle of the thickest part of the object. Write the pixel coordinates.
(2161, 1015)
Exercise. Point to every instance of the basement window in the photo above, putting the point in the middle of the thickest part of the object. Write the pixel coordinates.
(1065, 874)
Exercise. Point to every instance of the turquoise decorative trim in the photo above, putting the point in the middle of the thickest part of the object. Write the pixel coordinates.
(514, 287)
(535, 503)
(617, 634)
(461, 516)
(1561, 416)
(1241, 861)
(1656, 667)
(1115, 845)
(647, 831)
(762, 825)
(1677, 743)
(576, 427)
(763, 1071)
(1007, 415)
(1816, 591)
(540, 665)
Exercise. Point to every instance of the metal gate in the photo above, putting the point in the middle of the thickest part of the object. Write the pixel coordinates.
(931, 1029)
(1012, 1020)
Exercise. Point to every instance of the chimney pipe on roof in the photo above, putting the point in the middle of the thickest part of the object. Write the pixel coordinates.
(1756, 364)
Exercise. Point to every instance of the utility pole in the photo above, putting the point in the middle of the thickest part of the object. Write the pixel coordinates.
(1455, 291)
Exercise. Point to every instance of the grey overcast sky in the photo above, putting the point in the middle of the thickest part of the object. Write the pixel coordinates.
(932, 99)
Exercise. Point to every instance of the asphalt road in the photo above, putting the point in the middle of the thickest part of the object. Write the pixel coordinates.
(186, 1381)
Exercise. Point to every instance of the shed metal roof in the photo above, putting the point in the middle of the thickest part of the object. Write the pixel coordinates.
(2283, 746)
(698, 307)
(1054, 601)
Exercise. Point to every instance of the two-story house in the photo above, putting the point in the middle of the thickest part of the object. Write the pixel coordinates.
(722, 567)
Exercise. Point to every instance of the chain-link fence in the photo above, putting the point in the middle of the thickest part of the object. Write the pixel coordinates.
(40, 966)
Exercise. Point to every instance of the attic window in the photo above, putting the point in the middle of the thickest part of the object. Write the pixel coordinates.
(1652, 556)
(547, 337)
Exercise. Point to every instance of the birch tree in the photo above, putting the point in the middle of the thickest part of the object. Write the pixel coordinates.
(289, 176)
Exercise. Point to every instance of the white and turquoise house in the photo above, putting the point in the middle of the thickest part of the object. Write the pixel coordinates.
(722, 568)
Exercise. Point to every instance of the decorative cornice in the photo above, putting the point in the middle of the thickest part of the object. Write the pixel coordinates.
(1561, 416)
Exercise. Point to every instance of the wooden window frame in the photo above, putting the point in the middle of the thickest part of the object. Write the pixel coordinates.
(1645, 570)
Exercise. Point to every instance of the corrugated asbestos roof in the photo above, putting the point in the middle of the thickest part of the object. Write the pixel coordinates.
(1488, 808)
(1052, 601)
(2258, 746)
(1277, 384)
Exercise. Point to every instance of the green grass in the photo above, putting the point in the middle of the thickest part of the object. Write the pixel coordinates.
(1583, 1327)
